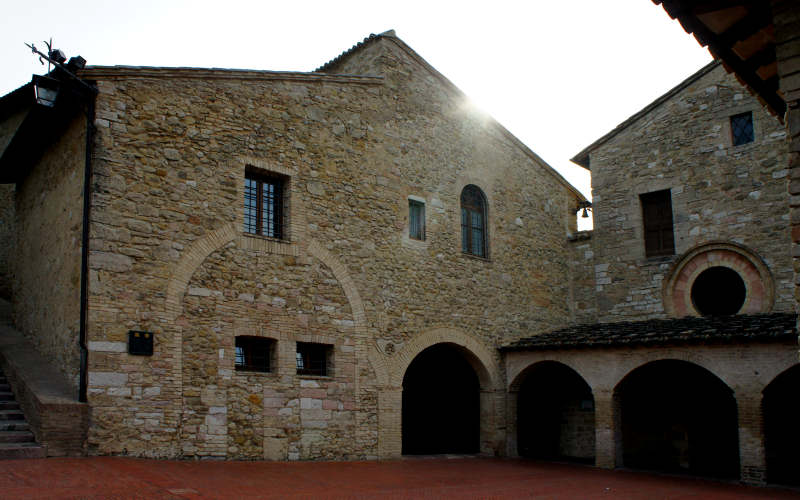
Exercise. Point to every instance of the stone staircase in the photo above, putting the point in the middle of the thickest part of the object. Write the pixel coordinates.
(16, 439)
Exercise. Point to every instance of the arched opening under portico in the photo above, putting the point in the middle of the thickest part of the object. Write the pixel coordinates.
(441, 403)
(555, 414)
(678, 417)
(781, 407)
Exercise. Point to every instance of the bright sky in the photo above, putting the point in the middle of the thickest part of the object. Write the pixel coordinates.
(558, 74)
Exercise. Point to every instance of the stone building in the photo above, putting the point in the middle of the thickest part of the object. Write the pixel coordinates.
(354, 263)
(684, 353)
(291, 245)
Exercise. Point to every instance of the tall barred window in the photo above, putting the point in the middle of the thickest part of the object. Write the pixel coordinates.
(473, 221)
(263, 204)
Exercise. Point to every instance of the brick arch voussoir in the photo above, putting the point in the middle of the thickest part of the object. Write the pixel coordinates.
(490, 380)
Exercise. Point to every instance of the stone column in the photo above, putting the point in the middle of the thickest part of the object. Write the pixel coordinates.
(606, 430)
(752, 458)
(390, 437)
(511, 424)
(786, 18)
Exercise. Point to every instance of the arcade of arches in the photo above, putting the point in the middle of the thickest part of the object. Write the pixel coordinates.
(721, 411)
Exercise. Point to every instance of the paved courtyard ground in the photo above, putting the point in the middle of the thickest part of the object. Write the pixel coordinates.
(113, 477)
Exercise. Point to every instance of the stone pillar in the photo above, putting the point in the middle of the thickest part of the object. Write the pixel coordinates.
(511, 424)
(752, 457)
(786, 18)
(606, 426)
(390, 437)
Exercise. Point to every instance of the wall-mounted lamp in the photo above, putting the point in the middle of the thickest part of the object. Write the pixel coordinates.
(46, 90)
(585, 206)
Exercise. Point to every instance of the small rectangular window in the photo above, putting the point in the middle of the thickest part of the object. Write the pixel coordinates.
(313, 359)
(263, 205)
(742, 128)
(253, 354)
(416, 220)
(657, 221)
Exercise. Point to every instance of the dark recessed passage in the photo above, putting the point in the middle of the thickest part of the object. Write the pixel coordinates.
(781, 432)
(441, 403)
(718, 291)
(678, 417)
(555, 415)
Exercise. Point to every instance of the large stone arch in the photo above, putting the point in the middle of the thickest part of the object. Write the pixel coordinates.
(489, 376)
(674, 415)
(563, 398)
(202, 248)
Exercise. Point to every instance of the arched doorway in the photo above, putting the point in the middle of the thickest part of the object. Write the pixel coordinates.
(555, 414)
(676, 416)
(441, 403)
(781, 433)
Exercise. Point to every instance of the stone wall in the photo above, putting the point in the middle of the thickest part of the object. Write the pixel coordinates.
(47, 259)
(168, 255)
(581, 278)
(7, 238)
(720, 193)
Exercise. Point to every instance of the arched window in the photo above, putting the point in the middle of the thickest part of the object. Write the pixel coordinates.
(473, 221)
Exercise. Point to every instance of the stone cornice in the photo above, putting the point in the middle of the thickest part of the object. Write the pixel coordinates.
(127, 72)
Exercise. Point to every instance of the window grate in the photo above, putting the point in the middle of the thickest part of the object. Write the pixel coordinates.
(263, 205)
(473, 221)
(312, 359)
(253, 354)
(742, 128)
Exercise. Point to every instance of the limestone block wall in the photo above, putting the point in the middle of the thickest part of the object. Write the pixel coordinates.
(47, 258)
(582, 278)
(7, 238)
(720, 193)
(168, 256)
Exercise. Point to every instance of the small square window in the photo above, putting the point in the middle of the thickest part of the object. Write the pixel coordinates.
(742, 128)
(416, 220)
(264, 201)
(253, 354)
(313, 359)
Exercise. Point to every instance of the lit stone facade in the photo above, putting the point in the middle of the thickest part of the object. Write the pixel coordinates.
(168, 254)
(721, 195)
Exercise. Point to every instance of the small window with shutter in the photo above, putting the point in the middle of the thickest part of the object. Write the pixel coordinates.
(657, 218)
(416, 220)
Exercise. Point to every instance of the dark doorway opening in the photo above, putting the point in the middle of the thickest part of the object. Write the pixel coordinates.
(555, 415)
(441, 403)
(678, 417)
(781, 430)
(718, 291)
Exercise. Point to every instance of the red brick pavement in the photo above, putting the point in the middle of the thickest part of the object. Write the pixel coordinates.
(114, 477)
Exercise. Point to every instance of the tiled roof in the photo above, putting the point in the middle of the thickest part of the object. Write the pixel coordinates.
(328, 65)
(688, 330)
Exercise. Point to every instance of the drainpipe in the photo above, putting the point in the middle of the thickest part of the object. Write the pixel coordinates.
(87, 205)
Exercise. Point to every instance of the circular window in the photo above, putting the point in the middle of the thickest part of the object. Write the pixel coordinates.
(718, 291)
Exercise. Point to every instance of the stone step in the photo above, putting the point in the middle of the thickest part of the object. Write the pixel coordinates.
(16, 437)
(14, 425)
(6, 396)
(21, 450)
(9, 405)
(11, 415)
(5, 387)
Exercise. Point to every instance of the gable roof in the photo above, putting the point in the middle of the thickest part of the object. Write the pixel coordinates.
(582, 158)
(391, 36)
(688, 330)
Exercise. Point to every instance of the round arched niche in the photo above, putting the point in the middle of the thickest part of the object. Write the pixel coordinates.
(726, 263)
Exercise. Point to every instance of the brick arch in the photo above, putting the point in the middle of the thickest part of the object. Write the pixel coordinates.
(518, 377)
(199, 251)
(487, 369)
(696, 360)
(676, 290)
